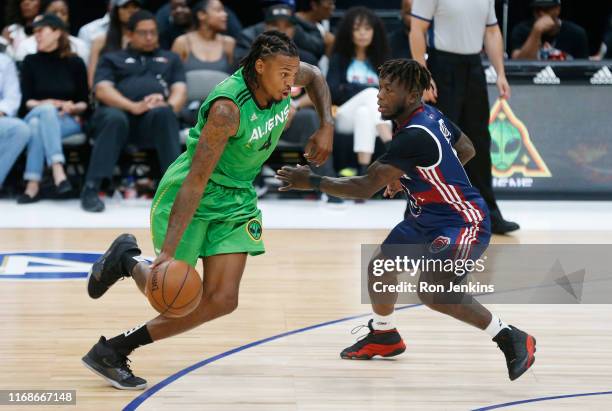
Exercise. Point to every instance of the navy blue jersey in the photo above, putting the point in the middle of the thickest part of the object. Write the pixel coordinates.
(438, 189)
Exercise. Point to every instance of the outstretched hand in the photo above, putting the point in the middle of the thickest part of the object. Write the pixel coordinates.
(295, 178)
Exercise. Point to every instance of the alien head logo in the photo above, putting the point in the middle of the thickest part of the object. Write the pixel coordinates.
(254, 229)
(506, 143)
(512, 150)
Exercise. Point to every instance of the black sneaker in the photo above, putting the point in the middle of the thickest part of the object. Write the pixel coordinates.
(387, 343)
(90, 200)
(501, 226)
(108, 269)
(111, 365)
(519, 349)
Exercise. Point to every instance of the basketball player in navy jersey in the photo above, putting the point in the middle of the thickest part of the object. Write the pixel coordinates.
(425, 160)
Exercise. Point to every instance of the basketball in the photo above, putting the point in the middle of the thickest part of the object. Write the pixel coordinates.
(174, 289)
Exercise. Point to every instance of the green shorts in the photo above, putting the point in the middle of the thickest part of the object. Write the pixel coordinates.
(226, 221)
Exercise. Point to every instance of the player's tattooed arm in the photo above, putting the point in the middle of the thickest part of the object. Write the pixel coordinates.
(465, 149)
(378, 176)
(313, 81)
(222, 123)
(320, 145)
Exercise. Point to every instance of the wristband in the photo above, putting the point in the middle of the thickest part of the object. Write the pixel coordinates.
(315, 181)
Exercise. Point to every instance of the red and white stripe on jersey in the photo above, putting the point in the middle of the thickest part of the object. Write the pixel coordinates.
(470, 214)
(466, 238)
(448, 192)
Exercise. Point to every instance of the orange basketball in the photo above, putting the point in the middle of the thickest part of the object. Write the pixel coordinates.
(174, 289)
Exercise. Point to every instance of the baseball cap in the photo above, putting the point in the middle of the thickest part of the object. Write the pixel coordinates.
(279, 11)
(545, 3)
(49, 20)
(121, 3)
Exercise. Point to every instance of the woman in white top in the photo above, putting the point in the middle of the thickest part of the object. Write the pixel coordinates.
(116, 36)
(359, 49)
(20, 14)
(60, 9)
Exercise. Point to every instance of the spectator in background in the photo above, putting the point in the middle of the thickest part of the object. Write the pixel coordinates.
(60, 9)
(399, 40)
(116, 37)
(457, 30)
(280, 17)
(55, 94)
(607, 41)
(604, 51)
(313, 17)
(233, 23)
(19, 16)
(139, 89)
(179, 22)
(96, 28)
(206, 48)
(14, 132)
(360, 48)
(547, 37)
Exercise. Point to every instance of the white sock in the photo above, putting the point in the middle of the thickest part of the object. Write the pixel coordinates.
(383, 322)
(495, 326)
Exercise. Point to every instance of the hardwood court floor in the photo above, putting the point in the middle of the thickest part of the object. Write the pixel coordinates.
(307, 277)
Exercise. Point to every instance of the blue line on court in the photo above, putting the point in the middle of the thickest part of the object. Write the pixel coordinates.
(554, 397)
(136, 402)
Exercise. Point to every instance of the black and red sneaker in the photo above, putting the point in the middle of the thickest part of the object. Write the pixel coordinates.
(519, 349)
(387, 343)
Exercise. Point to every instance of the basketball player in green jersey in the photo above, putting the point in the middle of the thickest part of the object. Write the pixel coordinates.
(205, 205)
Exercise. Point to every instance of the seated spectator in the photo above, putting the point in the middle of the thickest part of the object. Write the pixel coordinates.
(60, 9)
(116, 37)
(139, 89)
(54, 87)
(280, 17)
(19, 16)
(313, 17)
(234, 27)
(546, 37)
(14, 133)
(360, 48)
(607, 41)
(96, 28)
(206, 48)
(179, 22)
(399, 39)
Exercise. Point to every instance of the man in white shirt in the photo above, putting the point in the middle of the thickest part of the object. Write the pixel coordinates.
(453, 33)
(14, 132)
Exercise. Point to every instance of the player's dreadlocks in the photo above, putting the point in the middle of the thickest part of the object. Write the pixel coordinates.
(266, 44)
(410, 73)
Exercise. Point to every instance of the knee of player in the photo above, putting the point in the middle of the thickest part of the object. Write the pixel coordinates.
(226, 302)
(426, 296)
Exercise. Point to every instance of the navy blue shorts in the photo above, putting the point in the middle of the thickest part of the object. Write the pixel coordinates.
(456, 242)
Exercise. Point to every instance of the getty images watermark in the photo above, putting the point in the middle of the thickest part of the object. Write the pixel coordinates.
(501, 274)
(412, 267)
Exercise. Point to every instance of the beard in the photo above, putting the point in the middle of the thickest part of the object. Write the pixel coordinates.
(392, 116)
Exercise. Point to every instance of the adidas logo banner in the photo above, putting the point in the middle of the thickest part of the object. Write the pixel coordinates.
(603, 76)
(546, 76)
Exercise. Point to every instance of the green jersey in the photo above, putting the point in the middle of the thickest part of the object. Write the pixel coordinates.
(257, 136)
